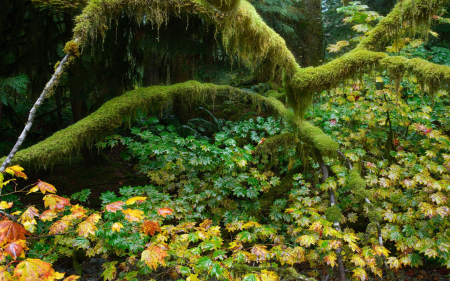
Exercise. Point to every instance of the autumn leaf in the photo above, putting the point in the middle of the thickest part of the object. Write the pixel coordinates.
(153, 256)
(43, 187)
(36, 269)
(117, 226)
(88, 226)
(267, 275)
(16, 249)
(330, 259)
(138, 199)
(55, 202)
(29, 214)
(360, 273)
(165, 211)
(113, 207)
(48, 215)
(78, 212)
(306, 240)
(205, 224)
(11, 231)
(133, 215)
(16, 171)
(149, 227)
(60, 226)
(260, 252)
(5, 205)
(4, 274)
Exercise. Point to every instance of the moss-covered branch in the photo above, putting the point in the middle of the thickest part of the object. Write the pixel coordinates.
(407, 15)
(111, 115)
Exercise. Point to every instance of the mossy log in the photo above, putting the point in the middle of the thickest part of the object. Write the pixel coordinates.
(114, 112)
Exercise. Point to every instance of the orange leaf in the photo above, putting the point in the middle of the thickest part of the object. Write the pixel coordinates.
(138, 199)
(133, 215)
(71, 278)
(113, 207)
(165, 211)
(36, 269)
(48, 215)
(16, 170)
(11, 231)
(153, 256)
(44, 187)
(149, 227)
(60, 226)
(88, 227)
(56, 202)
(16, 249)
(78, 212)
(206, 224)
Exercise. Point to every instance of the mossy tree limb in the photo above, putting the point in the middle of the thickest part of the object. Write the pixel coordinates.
(111, 115)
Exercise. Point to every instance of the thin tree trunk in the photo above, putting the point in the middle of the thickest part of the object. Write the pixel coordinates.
(336, 224)
(47, 89)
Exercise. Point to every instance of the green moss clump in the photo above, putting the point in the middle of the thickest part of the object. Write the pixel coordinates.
(357, 185)
(73, 48)
(374, 216)
(333, 213)
(61, 5)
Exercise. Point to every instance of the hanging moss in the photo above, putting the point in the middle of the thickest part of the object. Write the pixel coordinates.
(60, 5)
(333, 213)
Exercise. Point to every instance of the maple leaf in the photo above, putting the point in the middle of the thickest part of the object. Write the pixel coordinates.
(306, 240)
(267, 275)
(36, 269)
(16, 170)
(16, 249)
(153, 256)
(60, 226)
(11, 231)
(133, 215)
(113, 207)
(117, 226)
(5, 205)
(88, 227)
(149, 227)
(330, 259)
(165, 211)
(43, 187)
(78, 212)
(138, 199)
(360, 273)
(393, 262)
(55, 202)
(48, 215)
(205, 224)
(260, 252)
(29, 214)
(71, 278)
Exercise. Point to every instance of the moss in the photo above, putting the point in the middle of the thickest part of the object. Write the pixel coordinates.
(333, 213)
(374, 216)
(357, 185)
(73, 48)
(61, 5)
(277, 95)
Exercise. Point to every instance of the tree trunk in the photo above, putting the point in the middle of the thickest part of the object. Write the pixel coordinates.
(312, 48)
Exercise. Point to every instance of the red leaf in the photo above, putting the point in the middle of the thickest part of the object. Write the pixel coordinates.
(53, 202)
(15, 249)
(333, 122)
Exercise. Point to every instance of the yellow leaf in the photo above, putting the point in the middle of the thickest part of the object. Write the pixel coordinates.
(393, 262)
(338, 46)
(88, 227)
(138, 199)
(330, 259)
(16, 170)
(116, 226)
(133, 215)
(360, 273)
(306, 240)
(193, 277)
(5, 205)
(267, 275)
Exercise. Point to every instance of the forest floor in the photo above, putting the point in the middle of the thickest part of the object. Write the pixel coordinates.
(70, 176)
